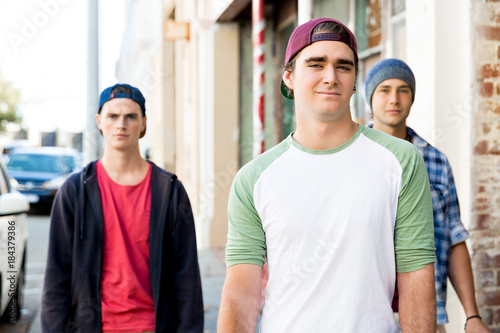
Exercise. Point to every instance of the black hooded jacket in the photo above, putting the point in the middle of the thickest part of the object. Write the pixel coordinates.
(71, 300)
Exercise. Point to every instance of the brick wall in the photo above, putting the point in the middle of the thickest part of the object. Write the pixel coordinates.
(485, 224)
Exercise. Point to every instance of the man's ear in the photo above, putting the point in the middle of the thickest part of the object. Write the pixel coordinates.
(98, 120)
(288, 79)
(143, 132)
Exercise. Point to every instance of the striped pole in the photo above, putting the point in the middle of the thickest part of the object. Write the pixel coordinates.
(258, 27)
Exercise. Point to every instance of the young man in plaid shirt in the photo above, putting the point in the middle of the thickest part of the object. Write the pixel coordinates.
(390, 92)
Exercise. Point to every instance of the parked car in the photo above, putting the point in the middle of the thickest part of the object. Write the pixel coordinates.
(13, 241)
(40, 172)
(72, 157)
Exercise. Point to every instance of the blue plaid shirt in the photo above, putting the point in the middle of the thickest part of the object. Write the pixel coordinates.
(448, 228)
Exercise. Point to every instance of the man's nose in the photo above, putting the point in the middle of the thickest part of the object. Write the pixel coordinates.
(394, 97)
(330, 76)
(121, 122)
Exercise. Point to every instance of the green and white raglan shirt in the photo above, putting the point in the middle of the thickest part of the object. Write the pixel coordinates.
(334, 225)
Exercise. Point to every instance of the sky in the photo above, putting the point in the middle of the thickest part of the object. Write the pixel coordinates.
(43, 51)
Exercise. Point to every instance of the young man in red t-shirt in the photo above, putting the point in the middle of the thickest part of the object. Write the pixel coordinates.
(122, 250)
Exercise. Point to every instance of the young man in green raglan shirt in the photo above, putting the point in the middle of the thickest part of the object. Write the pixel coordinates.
(338, 210)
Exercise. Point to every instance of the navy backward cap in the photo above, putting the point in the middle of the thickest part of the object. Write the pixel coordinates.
(136, 96)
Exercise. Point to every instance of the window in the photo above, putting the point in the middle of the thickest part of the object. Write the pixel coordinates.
(398, 29)
(288, 114)
(397, 7)
(369, 24)
(4, 181)
(369, 33)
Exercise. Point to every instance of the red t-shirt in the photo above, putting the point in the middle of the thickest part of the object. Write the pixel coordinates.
(126, 297)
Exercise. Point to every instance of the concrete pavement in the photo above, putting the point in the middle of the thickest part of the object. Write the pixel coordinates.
(213, 273)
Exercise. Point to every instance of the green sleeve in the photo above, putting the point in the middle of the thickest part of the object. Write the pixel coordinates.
(414, 230)
(246, 239)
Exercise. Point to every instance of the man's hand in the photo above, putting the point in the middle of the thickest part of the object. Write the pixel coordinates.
(475, 325)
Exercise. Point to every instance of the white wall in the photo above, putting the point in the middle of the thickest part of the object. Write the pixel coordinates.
(439, 53)
(421, 55)
(206, 137)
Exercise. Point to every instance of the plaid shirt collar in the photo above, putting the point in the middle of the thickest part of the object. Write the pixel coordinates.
(416, 139)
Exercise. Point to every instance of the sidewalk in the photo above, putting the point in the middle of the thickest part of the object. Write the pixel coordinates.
(213, 273)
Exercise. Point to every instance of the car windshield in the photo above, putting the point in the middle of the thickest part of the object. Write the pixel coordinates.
(35, 162)
(70, 162)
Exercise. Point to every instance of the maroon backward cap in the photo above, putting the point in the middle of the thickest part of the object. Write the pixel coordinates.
(302, 37)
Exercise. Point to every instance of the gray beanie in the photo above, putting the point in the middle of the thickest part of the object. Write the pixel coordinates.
(388, 69)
